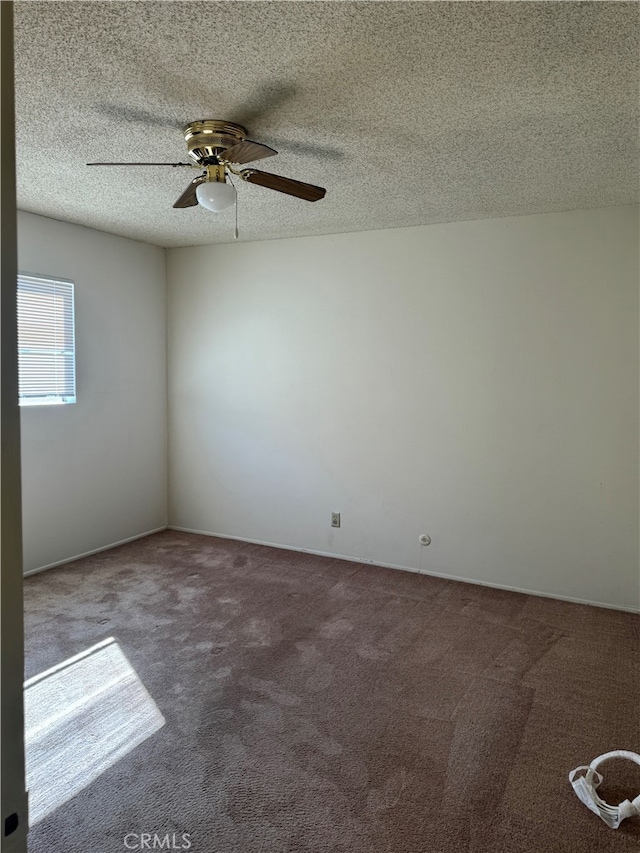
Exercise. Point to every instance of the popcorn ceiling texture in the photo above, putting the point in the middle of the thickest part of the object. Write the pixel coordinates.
(423, 112)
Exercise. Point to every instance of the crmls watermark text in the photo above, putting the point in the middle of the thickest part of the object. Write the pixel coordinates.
(157, 841)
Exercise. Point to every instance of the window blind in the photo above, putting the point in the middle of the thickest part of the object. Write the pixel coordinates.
(46, 341)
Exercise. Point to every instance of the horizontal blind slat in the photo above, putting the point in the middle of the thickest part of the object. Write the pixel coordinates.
(46, 340)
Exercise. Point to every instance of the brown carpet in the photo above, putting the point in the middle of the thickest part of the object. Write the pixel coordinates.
(319, 705)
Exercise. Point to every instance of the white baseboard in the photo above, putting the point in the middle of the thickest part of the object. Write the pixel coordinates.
(93, 551)
(408, 569)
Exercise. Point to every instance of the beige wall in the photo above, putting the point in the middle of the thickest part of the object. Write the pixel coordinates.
(94, 473)
(474, 381)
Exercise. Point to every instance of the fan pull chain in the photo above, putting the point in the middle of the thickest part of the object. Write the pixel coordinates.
(235, 230)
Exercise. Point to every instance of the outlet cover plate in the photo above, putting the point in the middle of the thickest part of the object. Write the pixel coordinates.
(335, 519)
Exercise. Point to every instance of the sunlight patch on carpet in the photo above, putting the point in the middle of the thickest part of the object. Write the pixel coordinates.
(81, 717)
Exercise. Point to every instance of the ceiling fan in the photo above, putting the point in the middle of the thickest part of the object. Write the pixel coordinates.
(215, 147)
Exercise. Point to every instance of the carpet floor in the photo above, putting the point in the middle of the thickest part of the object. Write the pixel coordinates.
(244, 699)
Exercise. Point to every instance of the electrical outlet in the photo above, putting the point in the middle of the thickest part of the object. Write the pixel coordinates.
(335, 519)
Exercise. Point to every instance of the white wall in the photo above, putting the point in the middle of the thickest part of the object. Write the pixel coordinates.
(94, 473)
(476, 381)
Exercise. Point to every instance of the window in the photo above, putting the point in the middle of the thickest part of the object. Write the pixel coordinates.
(46, 341)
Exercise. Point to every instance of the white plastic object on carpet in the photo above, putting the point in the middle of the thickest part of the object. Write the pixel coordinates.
(585, 787)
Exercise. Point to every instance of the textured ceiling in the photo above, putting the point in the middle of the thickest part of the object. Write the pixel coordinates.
(420, 112)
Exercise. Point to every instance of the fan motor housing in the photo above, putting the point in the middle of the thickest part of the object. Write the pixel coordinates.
(207, 138)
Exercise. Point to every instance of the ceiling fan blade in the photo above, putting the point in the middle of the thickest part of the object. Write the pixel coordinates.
(188, 197)
(308, 192)
(246, 152)
(140, 164)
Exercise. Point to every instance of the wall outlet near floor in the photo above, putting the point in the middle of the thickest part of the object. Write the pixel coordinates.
(335, 519)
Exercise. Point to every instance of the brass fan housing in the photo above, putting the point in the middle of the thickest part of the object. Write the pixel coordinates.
(209, 137)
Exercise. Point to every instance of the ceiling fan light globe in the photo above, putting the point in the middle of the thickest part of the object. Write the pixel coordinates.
(215, 195)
